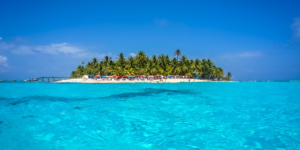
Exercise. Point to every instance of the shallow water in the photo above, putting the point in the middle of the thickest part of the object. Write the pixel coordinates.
(263, 115)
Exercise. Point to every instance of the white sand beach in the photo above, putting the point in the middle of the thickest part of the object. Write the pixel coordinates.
(79, 80)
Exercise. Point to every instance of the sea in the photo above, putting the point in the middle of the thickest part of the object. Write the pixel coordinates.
(142, 116)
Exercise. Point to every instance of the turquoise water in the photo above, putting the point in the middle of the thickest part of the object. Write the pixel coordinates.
(37, 116)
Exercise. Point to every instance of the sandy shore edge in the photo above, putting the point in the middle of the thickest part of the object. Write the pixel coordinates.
(135, 81)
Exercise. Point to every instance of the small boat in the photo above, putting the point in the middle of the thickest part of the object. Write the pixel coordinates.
(12, 80)
(31, 80)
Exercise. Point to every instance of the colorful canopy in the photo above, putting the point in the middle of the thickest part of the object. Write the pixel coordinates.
(124, 76)
(117, 76)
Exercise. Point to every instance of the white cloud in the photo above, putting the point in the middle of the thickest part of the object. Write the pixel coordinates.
(23, 50)
(90, 55)
(242, 55)
(296, 26)
(250, 54)
(132, 54)
(63, 48)
(0, 38)
(53, 49)
(3, 60)
(4, 46)
(56, 49)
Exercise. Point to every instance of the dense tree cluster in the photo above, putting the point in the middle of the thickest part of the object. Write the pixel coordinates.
(141, 64)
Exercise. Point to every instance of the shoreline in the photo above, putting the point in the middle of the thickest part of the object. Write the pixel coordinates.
(135, 81)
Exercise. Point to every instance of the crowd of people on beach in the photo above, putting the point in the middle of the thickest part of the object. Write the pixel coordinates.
(135, 77)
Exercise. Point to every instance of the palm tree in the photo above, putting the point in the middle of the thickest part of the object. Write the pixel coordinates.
(106, 60)
(141, 59)
(121, 61)
(198, 67)
(229, 75)
(131, 62)
(129, 72)
(82, 63)
(73, 74)
(177, 53)
(79, 71)
(142, 64)
(151, 67)
(175, 67)
(117, 71)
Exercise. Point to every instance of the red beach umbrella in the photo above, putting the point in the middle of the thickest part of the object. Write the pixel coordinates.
(124, 76)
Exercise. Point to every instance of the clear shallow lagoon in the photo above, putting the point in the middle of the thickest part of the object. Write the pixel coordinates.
(264, 115)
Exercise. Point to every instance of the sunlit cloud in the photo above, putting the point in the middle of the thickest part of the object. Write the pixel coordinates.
(242, 55)
(52, 49)
(0, 38)
(3, 61)
(23, 50)
(4, 46)
(55, 49)
(132, 54)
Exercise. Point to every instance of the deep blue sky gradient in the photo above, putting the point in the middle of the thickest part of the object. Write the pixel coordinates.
(253, 40)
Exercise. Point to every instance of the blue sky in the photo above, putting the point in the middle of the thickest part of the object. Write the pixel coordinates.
(253, 40)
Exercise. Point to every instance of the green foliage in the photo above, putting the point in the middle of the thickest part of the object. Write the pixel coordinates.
(129, 72)
(141, 64)
(177, 53)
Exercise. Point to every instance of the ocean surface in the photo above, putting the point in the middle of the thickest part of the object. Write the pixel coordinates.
(239, 115)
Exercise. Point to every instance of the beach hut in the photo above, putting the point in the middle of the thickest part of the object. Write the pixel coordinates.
(85, 77)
